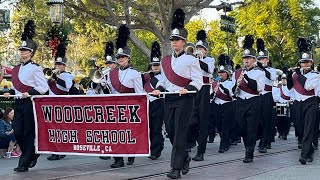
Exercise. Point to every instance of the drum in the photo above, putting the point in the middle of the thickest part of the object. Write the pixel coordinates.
(283, 109)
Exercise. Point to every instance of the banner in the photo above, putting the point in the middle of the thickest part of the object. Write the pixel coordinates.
(103, 125)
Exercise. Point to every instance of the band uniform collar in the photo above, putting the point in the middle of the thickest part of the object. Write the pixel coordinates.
(25, 63)
(124, 68)
(178, 55)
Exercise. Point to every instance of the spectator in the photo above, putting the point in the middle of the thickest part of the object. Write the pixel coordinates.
(5, 89)
(7, 139)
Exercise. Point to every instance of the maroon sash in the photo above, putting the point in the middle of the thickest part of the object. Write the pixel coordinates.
(243, 85)
(282, 95)
(205, 80)
(171, 75)
(268, 88)
(220, 94)
(55, 89)
(116, 84)
(16, 81)
(301, 90)
(147, 83)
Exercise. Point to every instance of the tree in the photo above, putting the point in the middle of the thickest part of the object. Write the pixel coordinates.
(153, 16)
(280, 23)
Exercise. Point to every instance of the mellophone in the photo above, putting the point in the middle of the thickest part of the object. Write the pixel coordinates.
(283, 109)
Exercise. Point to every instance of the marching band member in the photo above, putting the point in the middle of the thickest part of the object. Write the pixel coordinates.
(111, 63)
(156, 107)
(60, 83)
(305, 83)
(281, 94)
(200, 117)
(248, 83)
(124, 79)
(181, 73)
(222, 102)
(27, 79)
(267, 123)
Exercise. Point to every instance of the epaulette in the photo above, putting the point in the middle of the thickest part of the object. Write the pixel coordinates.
(35, 63)
(187, 53)
(316, 72)
(258, 68)
(133, 68)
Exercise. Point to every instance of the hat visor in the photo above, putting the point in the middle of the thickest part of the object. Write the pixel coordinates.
(201, 46)
(122, 54)
(260, 57)
(245, 56)
(305, 60)
(155, 63)
(222, 71)
(176, 37)
(25, 48)
(110, 62)
(59, 63)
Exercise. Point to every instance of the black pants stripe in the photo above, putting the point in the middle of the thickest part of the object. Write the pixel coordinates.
(24, 130)
(156, 114)
(306, 117)
(177, 114)
(248, 112)
(199, 124)
(225, 122)
(267, 122)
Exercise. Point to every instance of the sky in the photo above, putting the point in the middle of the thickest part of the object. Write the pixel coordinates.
(213, 14)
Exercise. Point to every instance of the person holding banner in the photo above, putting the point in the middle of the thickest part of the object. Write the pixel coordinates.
(60, 83)
(124, 79)
(181, 73)
(27, 80)
(150, 80)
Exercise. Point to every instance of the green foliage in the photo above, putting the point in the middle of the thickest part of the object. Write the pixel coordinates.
(280, 23)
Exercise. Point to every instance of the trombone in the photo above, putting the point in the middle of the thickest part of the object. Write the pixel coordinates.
(99, 74)
(48, 73)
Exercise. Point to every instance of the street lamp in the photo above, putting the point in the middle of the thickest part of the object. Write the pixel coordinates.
(56, 11)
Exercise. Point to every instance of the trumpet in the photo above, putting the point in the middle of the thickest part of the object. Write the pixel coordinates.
(48, 73)
(98, 75)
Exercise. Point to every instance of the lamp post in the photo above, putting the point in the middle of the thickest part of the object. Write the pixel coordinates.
(56, 11)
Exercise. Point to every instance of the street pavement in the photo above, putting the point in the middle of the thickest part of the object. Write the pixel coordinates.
(280, 163)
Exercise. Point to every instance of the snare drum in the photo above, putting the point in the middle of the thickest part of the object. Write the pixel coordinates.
(283, 109)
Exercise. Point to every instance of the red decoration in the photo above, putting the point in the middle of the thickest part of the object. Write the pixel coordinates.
(53, 44)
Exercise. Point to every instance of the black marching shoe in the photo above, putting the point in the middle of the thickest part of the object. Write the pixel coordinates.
(249, 157)
(186, 165)
(310, 158)
(285, 137)
(153, 157)
(130, 160)
(262, 150)
(174, 174)
(198, 157)
(34, 161)
(117, 164)
(104, 157)
(303, 161)
(221, 150)
(21, 169)
(53, 157)
(62, 156)
(269, 146)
